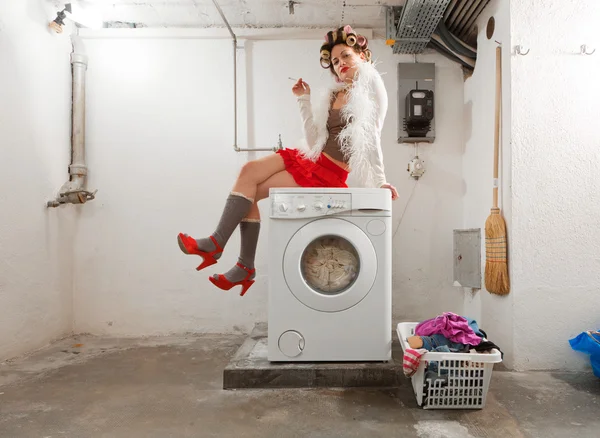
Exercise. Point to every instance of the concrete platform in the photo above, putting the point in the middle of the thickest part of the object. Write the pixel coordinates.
(250, 368)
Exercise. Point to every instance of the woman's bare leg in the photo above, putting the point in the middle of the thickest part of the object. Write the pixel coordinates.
(250, 226)
(256, 172)
(281, 179)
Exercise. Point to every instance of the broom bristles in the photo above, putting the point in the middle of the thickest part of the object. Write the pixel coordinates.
(496, 266)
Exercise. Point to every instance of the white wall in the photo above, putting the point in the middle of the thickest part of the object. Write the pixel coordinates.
(494, 313)
(160, 134)
(423, 246)
(556, 163)
(35, 243)
(549, 174)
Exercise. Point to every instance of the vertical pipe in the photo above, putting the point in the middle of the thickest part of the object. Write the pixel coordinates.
(235, 111)
(78, 169)
(73, 190)
(235, 127)
(235, 145)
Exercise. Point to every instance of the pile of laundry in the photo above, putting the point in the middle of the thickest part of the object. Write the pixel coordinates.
(446, 333)
(330, 264)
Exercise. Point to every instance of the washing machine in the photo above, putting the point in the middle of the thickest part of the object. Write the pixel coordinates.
(330, 275)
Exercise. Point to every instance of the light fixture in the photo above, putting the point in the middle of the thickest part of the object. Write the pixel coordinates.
(77, 14)
(57, 24)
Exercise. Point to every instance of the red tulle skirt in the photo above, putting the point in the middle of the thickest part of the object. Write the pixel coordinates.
(306, 173)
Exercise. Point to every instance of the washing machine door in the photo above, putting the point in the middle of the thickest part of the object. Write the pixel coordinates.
(330, 265)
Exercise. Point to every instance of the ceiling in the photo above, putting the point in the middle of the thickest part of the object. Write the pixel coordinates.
(459, 17)
(242, 13)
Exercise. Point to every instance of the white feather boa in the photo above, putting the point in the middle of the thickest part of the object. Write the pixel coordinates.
(360, 139)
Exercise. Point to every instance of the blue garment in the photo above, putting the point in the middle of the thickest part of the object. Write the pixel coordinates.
(589, 342)
(433, 342)
(473, 324)
(432, 368)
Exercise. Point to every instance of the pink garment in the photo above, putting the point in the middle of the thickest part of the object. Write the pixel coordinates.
(450, 325)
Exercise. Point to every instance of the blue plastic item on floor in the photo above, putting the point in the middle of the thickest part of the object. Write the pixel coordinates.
(589, 342)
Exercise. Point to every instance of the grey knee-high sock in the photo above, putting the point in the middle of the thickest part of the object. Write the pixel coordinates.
(249, 231)
(236, 208)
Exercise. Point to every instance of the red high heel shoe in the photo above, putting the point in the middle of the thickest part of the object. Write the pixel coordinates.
(222, 283)
(188, 245)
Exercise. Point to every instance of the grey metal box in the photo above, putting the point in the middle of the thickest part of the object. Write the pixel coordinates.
(467, 258)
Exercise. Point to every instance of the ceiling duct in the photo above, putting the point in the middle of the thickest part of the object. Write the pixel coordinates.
(448, 26)
(410, 28)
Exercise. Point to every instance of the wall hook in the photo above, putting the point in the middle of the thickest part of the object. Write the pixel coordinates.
(584, 50)
(519, 50)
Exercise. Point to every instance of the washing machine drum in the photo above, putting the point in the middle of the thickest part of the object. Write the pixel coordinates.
(330, 265)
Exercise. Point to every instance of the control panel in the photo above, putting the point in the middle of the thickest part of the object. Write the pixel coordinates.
(310, 205)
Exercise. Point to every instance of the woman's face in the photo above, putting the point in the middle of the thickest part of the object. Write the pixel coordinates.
(345, 61)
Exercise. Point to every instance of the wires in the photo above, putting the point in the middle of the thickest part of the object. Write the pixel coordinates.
(405, 207)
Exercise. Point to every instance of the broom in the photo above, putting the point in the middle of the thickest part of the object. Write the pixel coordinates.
(496, 267)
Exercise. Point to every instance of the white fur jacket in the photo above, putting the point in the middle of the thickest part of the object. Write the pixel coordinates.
(360, 139)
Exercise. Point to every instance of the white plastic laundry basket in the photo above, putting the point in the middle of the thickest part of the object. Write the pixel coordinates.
(462, 379)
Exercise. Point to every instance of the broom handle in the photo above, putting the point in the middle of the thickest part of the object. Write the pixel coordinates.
(497, 122)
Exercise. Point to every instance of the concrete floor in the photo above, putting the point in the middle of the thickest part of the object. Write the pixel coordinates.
(171, 387)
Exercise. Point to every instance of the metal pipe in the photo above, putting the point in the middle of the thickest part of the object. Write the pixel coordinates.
(449, 9)
(455, 15)
(467, 28)
(235, 146)
(78, 169)
(73, 191)
(467, 15)
(461, 14)
(235, 128)
(437, 42)
(274, 149)
(453, 42)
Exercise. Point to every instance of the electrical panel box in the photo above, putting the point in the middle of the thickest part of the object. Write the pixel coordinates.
(467, 258)
(416, 98)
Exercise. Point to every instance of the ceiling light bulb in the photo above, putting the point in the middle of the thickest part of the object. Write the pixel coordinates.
(84, 16)
(81, 16)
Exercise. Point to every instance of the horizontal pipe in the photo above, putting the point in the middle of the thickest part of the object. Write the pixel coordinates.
(255, 149)
(213, 33)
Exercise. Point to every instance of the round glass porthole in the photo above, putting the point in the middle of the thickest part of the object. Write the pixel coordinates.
(330, 265)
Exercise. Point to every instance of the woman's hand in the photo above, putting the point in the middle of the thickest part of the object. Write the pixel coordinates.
(393, 189)
(300, 88)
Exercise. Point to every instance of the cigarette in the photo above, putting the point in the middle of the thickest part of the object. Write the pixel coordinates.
(296, 80)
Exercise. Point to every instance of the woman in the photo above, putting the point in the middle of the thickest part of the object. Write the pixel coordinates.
(343, 134)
